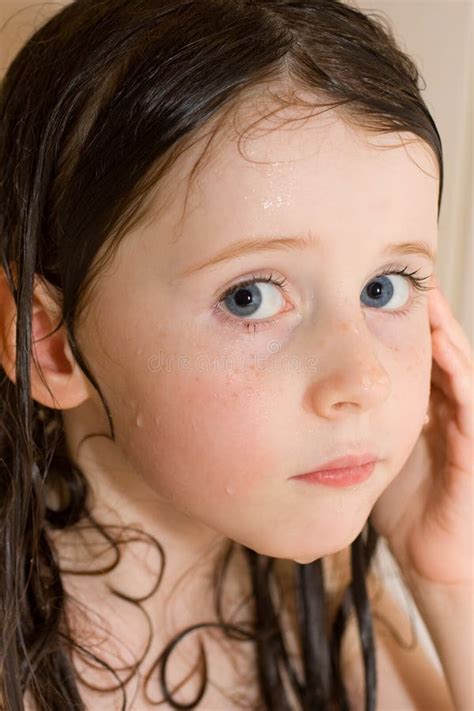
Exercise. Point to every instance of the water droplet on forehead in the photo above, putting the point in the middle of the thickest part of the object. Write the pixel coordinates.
(139, 420)
(230, 489)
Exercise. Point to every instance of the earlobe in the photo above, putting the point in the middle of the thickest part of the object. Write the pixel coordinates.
(60, 372)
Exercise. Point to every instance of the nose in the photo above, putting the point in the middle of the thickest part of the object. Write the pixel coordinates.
(349, 377)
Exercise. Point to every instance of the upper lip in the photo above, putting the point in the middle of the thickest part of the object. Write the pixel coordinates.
(350, 460)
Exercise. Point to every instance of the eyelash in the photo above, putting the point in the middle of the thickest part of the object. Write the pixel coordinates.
(254, 325)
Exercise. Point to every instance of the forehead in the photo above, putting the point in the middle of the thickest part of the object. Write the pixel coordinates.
(298, 172)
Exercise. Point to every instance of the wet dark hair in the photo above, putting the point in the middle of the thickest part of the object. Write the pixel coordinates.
(94, 108)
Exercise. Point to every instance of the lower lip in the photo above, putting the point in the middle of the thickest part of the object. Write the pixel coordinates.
(339, 477)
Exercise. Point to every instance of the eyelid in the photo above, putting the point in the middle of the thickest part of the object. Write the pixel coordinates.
(256, 275)
(397, 267)
(273, 275)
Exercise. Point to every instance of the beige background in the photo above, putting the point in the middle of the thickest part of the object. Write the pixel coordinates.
(438, 35)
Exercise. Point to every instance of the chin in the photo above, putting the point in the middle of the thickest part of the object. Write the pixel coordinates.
(310, 558)
(304, 561)
(298, 553)
(337, 548)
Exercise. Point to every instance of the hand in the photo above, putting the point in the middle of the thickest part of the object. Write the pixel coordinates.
(426, 513)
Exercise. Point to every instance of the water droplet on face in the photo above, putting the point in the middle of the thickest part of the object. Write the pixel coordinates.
(230, 489)
(139, 420)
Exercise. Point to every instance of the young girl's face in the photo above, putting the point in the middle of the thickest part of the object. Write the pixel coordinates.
(218, 404)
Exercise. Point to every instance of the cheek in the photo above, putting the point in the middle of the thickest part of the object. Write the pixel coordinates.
(407, 340)
(409, 357)
(190, 427)
(413, 364)
(411, 381)
(202, 436)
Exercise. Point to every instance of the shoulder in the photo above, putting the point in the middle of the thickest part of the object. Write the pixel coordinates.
(406, 677)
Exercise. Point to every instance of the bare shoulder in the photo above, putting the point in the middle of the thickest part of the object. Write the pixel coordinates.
(406, 677)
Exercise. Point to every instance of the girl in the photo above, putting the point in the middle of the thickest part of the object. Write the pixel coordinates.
(218, 231)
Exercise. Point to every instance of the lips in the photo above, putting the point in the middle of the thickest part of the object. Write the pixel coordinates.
(348, 461)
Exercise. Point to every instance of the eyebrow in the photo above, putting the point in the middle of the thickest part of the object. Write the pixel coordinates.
(240, 248)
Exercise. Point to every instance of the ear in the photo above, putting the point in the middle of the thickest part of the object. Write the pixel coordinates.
(62, 374)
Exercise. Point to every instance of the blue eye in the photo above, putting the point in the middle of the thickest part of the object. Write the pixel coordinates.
(391, 292)
(259, 297)
(392, 288)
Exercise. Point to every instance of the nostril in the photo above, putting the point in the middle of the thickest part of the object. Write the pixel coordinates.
(341, 405)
